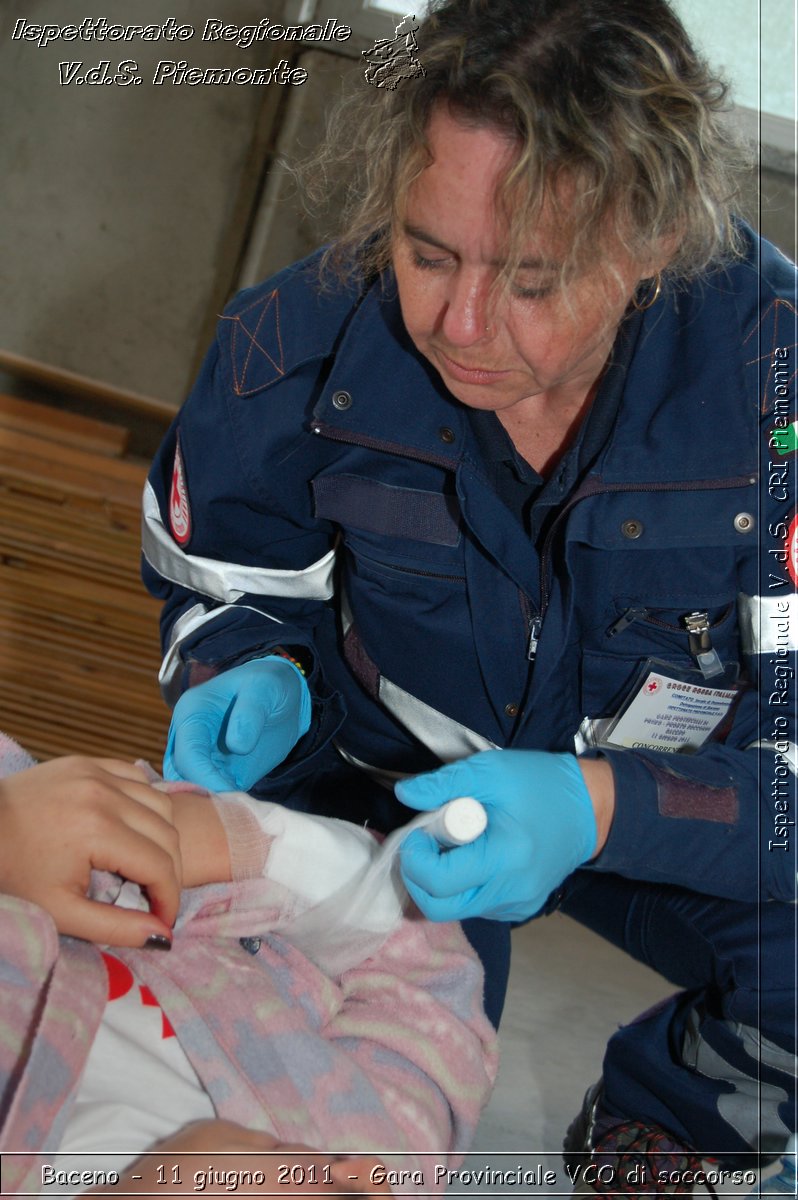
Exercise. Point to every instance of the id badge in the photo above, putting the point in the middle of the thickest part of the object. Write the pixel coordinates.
(668, 710)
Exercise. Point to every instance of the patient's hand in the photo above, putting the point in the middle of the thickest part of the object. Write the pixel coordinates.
(238, 1150)
(63, 818)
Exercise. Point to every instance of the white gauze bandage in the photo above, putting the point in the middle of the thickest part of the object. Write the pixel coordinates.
(347, 888)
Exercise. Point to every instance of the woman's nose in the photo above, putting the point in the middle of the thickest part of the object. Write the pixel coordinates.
(466, 315)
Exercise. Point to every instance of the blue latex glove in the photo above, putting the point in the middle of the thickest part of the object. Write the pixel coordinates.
(541, 827)
(230, 731)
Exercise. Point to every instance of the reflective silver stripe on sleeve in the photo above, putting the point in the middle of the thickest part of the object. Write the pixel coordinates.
(769, 624)
(226, 581)
(187, 624)
(787, 750)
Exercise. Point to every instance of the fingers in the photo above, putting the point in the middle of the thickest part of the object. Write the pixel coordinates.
(74, 769)
(106, 924)
(93, 783)
(190, 756)
(449, 908)
(229, 731)
(442, 872)
(125, 827)
(429, 791)
(60, 820)
(245, 725)
(143, 847)
(142, 795)
(120, 769)
(445, 884)
(419, 854)
(163, 893)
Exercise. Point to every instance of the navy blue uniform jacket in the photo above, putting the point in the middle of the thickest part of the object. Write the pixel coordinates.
(330, 496)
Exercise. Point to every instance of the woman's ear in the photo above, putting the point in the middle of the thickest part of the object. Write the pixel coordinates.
(663, 252)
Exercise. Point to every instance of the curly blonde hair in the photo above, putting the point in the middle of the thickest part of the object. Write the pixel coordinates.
(608, 95)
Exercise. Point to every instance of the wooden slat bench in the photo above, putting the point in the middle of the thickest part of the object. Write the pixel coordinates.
(79, 646)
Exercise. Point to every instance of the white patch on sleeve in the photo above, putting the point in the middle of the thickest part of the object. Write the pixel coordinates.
(769, 624)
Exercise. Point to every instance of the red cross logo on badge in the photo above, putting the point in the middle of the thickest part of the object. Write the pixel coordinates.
(179, 512)
(652, 686)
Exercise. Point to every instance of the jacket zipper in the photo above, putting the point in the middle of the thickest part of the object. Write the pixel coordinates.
(533, 625)
(625, 620)
(644, 614)
(697, 626)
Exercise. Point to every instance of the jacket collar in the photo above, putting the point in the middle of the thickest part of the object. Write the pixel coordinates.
(678, 391)
(382, 392)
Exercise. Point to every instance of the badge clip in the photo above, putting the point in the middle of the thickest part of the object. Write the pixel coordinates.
(700, 642)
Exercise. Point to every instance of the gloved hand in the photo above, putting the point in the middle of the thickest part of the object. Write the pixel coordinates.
(228, 732)
(541, 827)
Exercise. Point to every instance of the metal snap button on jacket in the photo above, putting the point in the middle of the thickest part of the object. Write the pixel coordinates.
(341, 400)
(446, 434)
(632, 529)
(743, 522)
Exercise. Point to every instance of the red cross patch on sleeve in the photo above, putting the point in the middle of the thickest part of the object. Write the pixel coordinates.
(179, 511)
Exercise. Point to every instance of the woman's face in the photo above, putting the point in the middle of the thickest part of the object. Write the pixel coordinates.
(496, 348)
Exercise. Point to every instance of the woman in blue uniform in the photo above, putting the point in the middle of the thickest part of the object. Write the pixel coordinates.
(475, 501)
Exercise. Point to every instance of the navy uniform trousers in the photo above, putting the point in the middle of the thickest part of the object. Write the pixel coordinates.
(735, 1020)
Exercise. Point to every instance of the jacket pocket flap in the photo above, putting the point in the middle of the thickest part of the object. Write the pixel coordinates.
(359, 503)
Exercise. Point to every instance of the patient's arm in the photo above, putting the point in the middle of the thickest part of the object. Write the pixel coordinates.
(403, 1022)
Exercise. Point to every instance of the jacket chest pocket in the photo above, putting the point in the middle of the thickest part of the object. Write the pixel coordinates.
(687, 636)
(663, 586)
(702, 642)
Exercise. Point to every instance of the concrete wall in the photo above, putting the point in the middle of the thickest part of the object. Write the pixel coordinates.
(125, 207)
(130, 212)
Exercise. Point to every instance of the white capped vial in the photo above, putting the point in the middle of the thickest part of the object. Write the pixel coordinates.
(458, 822)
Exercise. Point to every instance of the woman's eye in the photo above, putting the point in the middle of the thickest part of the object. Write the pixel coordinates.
(531, 293)
(427, 264)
